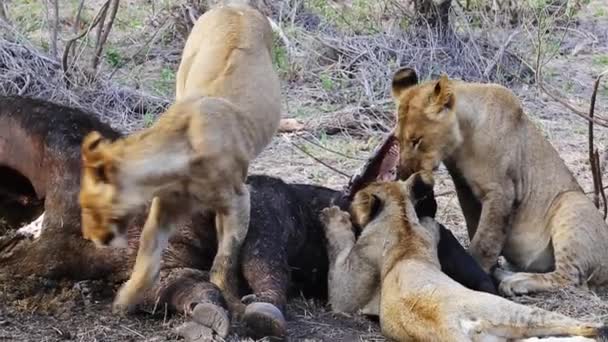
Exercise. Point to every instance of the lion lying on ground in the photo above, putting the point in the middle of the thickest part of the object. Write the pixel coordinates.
(397, 254)
(517, 195)
(196, 156)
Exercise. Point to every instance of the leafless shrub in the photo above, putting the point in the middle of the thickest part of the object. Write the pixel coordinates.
(25, 71)
(356, 69)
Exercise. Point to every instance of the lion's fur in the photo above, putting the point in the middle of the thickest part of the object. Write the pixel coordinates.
(417, 301)
(517, 195)
(196, 156)
(354, 269)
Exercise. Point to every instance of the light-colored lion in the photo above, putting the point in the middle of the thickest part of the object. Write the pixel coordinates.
(393, 271)
(196, 156)
(517, 195)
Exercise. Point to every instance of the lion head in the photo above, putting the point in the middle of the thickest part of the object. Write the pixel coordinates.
(397, 199)
(427, 126)
(102, 220)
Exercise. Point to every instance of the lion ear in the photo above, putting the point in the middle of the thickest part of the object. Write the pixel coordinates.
(403, 79)
(91, 153)
(443, 94)
(365, 207)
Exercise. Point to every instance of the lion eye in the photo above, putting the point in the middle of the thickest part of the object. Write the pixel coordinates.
(100, 172)
(415, 142)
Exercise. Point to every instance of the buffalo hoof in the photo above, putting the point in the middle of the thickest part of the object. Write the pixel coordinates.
(194, 332)
(212, 316)
(264, 320)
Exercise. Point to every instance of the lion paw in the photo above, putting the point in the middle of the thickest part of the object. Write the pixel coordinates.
(334, 215)
(213, 317)
(264, 320)
(119, 308)
(125, 301)
(514, 285)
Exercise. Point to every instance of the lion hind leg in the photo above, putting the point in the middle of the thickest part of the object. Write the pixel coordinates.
(504, 319)
(577, 230)
(232, 227)
(153, 240)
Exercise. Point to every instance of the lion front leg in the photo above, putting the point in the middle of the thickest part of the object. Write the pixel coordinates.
(153, 241)
(351, 280)
(232, 226)
(491, 234)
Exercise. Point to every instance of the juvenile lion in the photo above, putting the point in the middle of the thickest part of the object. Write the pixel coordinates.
(517, 195)
(418, 302)
(196, 156)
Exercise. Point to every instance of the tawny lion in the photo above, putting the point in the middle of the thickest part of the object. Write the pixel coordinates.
(196, 156)
(517, 195)
(395, 261)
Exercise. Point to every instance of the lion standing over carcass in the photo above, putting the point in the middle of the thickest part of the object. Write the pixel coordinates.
(196, 156)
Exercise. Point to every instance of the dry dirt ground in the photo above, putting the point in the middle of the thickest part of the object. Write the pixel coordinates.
(81, 312)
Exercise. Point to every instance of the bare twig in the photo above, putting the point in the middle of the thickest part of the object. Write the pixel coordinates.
(53, 24)
(594, 158)
(445, 193)
(66, 52)
(310, 141)
(556, 96)
(499, 54)
(103, 32)
(602, 189)
(303, 150)
(136, 53)
(3, 15)
(132, 331)
(77, 19)
(277, 29)
(560, 98)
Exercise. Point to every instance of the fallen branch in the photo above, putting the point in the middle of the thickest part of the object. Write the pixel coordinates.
(560, 98)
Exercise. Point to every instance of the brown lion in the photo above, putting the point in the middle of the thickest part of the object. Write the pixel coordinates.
(518, 197)
(196, 156)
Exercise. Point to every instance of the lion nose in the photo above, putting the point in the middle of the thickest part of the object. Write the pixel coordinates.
(107, 239)
(404, 172)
